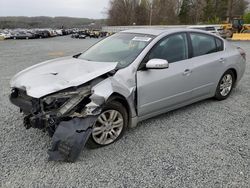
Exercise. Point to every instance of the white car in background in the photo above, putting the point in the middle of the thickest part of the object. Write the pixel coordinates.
(5, 35)
(2, 36)
(209, 28)
(59, 32)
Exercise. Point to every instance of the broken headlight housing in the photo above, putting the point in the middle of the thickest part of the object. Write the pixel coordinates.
(56, 101)
(64, 102)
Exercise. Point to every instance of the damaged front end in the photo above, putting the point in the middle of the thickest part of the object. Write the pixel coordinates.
(68, 116)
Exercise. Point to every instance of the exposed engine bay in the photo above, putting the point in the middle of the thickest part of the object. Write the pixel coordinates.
(52, 112)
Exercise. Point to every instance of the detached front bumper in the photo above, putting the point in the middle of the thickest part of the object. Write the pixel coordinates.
(70, 138)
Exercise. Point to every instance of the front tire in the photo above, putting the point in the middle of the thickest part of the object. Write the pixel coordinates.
(225, 86)
(110, 125)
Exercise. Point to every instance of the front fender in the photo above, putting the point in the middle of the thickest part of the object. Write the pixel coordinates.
(106, 88)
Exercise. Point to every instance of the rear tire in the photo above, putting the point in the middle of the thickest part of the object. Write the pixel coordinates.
(225, 86)
(112, 129)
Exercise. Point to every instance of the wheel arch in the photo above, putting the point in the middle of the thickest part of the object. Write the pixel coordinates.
(121, 99)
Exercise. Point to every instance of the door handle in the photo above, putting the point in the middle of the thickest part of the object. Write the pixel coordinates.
(187, 72)
(222, 60)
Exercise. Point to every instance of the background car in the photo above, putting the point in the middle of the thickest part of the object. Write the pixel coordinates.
(59, 32)
(43, 33)
(6, 34)
(75, 35)
(210, 29)
(82, 36)
(23, 35)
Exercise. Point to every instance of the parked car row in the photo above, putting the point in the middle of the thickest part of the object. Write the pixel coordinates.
(32, 33)
(83, 34)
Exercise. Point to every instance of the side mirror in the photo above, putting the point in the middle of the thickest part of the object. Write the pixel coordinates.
(157, 64)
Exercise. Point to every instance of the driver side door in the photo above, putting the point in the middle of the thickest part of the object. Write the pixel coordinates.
(159, 90)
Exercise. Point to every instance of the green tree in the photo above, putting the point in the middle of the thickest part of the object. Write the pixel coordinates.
(221, 9)
(215, 11)
(209, 10)
(184, 12)
(247, 18)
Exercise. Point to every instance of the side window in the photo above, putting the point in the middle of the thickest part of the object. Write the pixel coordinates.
(202, 44)
(219, 44)
(173, 48)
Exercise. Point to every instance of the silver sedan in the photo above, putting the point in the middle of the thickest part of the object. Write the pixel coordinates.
(124, 79)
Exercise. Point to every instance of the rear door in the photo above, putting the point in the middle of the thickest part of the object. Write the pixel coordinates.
(207, 63)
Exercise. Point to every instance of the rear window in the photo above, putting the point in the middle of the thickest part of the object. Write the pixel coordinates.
(203, 44)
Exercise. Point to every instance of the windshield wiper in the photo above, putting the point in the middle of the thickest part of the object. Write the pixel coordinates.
(77, 55)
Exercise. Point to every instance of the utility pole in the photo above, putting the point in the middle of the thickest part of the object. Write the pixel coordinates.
(229, 10)
(151, 11)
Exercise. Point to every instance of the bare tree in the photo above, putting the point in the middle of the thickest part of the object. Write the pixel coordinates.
(127, 12)
(162, 12)
(142, 11)
(120, 12)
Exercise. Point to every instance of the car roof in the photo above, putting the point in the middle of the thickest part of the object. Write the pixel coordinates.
(148, 31)
(201, 26)
(157, 32)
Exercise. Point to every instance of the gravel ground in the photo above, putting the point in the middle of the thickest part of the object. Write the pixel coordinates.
(203, 145)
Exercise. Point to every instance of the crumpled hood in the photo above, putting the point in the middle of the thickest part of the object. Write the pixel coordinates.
(54, 75)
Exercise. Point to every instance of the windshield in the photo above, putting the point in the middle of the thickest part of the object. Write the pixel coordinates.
(121, 47)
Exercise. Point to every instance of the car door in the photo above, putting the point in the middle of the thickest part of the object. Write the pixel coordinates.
(207, 63)
(160, 89)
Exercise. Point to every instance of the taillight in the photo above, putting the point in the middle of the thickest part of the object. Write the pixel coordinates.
(242, 52)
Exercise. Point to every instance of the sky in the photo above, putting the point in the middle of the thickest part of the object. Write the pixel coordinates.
(72, 8)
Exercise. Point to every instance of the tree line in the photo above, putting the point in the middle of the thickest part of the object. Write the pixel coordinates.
(171, 12)
(48, 22)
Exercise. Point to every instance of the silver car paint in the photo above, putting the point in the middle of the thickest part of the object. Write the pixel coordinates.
(179, 90)
(55, 75)
(196, 91)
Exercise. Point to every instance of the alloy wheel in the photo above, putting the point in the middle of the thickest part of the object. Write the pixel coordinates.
(226, 85)
(108, 127)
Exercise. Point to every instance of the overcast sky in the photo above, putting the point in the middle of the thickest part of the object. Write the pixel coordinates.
(71, 8)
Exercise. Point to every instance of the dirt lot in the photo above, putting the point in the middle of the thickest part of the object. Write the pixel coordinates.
(206, 144)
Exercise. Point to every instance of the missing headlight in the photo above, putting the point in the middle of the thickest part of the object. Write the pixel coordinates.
(65, 101)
